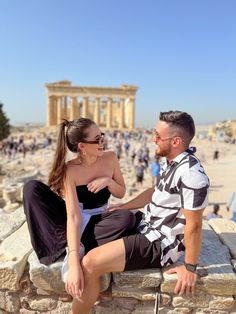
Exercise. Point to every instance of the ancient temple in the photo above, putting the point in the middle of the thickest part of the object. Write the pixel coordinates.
(109, 107)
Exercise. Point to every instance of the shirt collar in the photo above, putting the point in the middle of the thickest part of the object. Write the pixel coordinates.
(177, 159)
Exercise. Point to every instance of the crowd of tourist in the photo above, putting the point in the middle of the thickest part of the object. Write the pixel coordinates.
(14, 146)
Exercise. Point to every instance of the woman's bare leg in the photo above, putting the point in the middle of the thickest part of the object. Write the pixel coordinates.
(106, 258)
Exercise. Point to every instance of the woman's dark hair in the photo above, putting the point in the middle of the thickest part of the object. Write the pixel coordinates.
(70, 134)
(182, 122)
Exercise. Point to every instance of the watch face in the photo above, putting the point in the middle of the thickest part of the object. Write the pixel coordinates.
(191, 267)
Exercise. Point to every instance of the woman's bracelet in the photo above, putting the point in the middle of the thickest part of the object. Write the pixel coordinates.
(73, 251)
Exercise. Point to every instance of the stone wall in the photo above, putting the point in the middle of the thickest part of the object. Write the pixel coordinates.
(26, 286)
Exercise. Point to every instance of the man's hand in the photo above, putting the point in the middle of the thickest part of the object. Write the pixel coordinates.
(113, 207)
(186, 280)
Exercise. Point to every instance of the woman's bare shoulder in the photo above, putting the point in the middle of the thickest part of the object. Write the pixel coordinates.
(109, 154)
(72, 165)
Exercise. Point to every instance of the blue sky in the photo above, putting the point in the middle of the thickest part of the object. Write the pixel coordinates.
(181, 54)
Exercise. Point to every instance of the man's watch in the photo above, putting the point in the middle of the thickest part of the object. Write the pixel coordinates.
(190, 267)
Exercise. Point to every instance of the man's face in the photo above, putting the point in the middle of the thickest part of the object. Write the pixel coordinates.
(162, 138)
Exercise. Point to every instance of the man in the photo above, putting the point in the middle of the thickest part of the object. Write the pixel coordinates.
(171, 223)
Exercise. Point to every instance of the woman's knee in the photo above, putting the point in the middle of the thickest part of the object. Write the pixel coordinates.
(126, 219)
(31, 187)
(90, 264)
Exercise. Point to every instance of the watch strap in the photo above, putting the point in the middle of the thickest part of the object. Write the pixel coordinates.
(191, 267)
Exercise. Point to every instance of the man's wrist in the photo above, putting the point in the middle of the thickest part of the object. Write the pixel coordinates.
(191, 267)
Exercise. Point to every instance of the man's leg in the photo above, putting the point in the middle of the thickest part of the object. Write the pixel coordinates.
(108, 227)
(107, 258)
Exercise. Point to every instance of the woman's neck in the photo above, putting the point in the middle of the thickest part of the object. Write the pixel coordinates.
(89, 161)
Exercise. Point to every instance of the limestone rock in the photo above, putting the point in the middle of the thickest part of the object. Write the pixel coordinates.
(48, 278)
(12, 192)
(145, 294)
(145, 278)
(215, 263)
(45, 277)
(10, 222)
(9, 302)
(14, 252)
(221, 303)
(43, 304)
(226, 230)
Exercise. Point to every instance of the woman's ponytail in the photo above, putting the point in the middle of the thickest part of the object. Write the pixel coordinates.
(57, 173)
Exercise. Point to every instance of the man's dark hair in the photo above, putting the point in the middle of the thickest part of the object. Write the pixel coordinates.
(182, 122)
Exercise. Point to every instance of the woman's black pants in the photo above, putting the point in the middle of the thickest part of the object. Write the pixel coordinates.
(46, 217)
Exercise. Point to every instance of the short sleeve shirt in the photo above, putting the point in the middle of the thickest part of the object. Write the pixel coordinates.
(181, 184)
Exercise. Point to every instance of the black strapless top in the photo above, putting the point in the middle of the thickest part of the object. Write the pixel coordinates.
(92, 200)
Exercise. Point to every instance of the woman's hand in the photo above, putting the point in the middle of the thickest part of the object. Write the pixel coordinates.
(98, 184)
(75, 281)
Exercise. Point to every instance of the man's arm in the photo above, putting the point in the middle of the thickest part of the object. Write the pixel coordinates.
(193, 239)
(138, 202)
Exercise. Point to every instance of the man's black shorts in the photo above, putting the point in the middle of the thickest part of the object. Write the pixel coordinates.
(141, 253)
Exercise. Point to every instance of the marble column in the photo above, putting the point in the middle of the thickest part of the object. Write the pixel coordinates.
(108, 111)
(97, 110)
(73, 109)
(50, 111)
(59, 110)
(121, 120)
(54, 106)
(85, 107)
(131, 113)
(65, 111)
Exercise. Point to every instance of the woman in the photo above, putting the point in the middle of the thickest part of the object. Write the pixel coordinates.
(85, 183)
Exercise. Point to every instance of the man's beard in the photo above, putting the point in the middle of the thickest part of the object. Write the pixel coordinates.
(163, 152)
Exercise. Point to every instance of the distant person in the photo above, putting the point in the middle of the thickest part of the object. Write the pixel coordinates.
(133, 155)
(214, 213)
(216, 155)
(139, 171)
(231, 205)
(155, 169)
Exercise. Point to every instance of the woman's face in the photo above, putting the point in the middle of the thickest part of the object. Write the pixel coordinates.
(93, 143)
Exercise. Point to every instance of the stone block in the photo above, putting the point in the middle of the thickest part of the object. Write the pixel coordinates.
(144, 278)
(12, 192)
(62, 308)
(145, 294)
(196, 301)
(48, 278)
(175, 311)
(9, 302)
(43, 304)
(216, 274)
(10, 222)
(210, 311)
(14, 252)
(222, 303)
(45, 277)
(226, 230)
